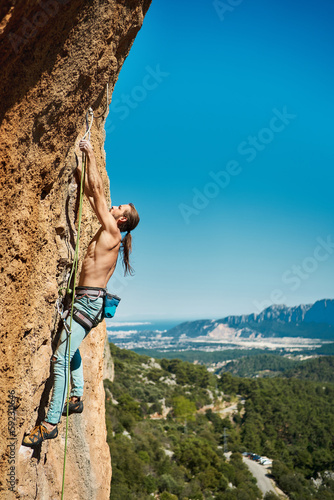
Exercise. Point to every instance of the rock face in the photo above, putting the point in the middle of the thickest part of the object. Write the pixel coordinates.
(56, 57)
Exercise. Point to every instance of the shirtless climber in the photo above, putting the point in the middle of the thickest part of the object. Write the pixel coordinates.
(97, 268)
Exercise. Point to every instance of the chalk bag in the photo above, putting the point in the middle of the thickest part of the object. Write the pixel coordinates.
(110, 304)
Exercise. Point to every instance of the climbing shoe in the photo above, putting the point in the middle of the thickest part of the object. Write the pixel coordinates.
(74, 407)
(39, 434)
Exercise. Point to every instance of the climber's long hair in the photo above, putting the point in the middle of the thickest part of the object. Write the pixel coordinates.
(128, 226)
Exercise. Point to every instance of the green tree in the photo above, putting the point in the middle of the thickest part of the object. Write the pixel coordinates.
(183, 408)
(168, 496)
(271, 496)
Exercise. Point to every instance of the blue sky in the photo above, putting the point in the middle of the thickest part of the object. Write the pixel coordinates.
(221, 132)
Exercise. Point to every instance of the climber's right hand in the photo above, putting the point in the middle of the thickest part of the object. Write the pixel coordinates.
(85, 146)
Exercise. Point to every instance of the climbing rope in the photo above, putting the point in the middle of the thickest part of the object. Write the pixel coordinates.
(73, 274)
(89, 125)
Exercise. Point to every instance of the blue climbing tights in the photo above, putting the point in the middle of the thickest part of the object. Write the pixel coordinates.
(91, 306)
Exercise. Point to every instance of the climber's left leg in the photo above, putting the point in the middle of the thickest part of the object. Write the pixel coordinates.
(77, 383)
(38, 434)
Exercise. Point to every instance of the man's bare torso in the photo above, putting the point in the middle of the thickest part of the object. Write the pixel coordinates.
(100, 260)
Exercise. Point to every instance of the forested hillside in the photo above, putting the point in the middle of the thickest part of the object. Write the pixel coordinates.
(178, 454)
(261, 364)
(180, 457)
(291, 421)
(204, 357)
(319, 369)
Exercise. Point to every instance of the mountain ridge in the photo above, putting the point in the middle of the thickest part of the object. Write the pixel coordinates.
(306, 320)
(322, 311)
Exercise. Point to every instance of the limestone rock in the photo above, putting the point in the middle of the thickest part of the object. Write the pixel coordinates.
(56, 57)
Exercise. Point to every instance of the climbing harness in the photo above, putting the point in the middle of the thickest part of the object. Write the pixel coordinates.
(87, 321)
(84, 319)
(108, 309)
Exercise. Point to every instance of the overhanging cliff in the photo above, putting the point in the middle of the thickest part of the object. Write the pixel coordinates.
(56, 58)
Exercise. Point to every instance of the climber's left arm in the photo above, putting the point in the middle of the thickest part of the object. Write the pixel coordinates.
(87, 190)
(96, 189)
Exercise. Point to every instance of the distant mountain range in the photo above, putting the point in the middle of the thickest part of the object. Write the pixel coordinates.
(309, 321)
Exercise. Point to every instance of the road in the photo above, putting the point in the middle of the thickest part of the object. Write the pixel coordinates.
(230, 409)
(216, 409)
(264, 483)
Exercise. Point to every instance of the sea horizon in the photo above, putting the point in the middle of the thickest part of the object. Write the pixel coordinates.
(136, 326)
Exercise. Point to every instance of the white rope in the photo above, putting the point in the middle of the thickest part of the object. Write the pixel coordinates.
(89, 126)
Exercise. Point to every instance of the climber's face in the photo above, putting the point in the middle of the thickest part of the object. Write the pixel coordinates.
(118, 211)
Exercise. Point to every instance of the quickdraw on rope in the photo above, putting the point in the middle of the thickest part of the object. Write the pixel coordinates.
(73, 274)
